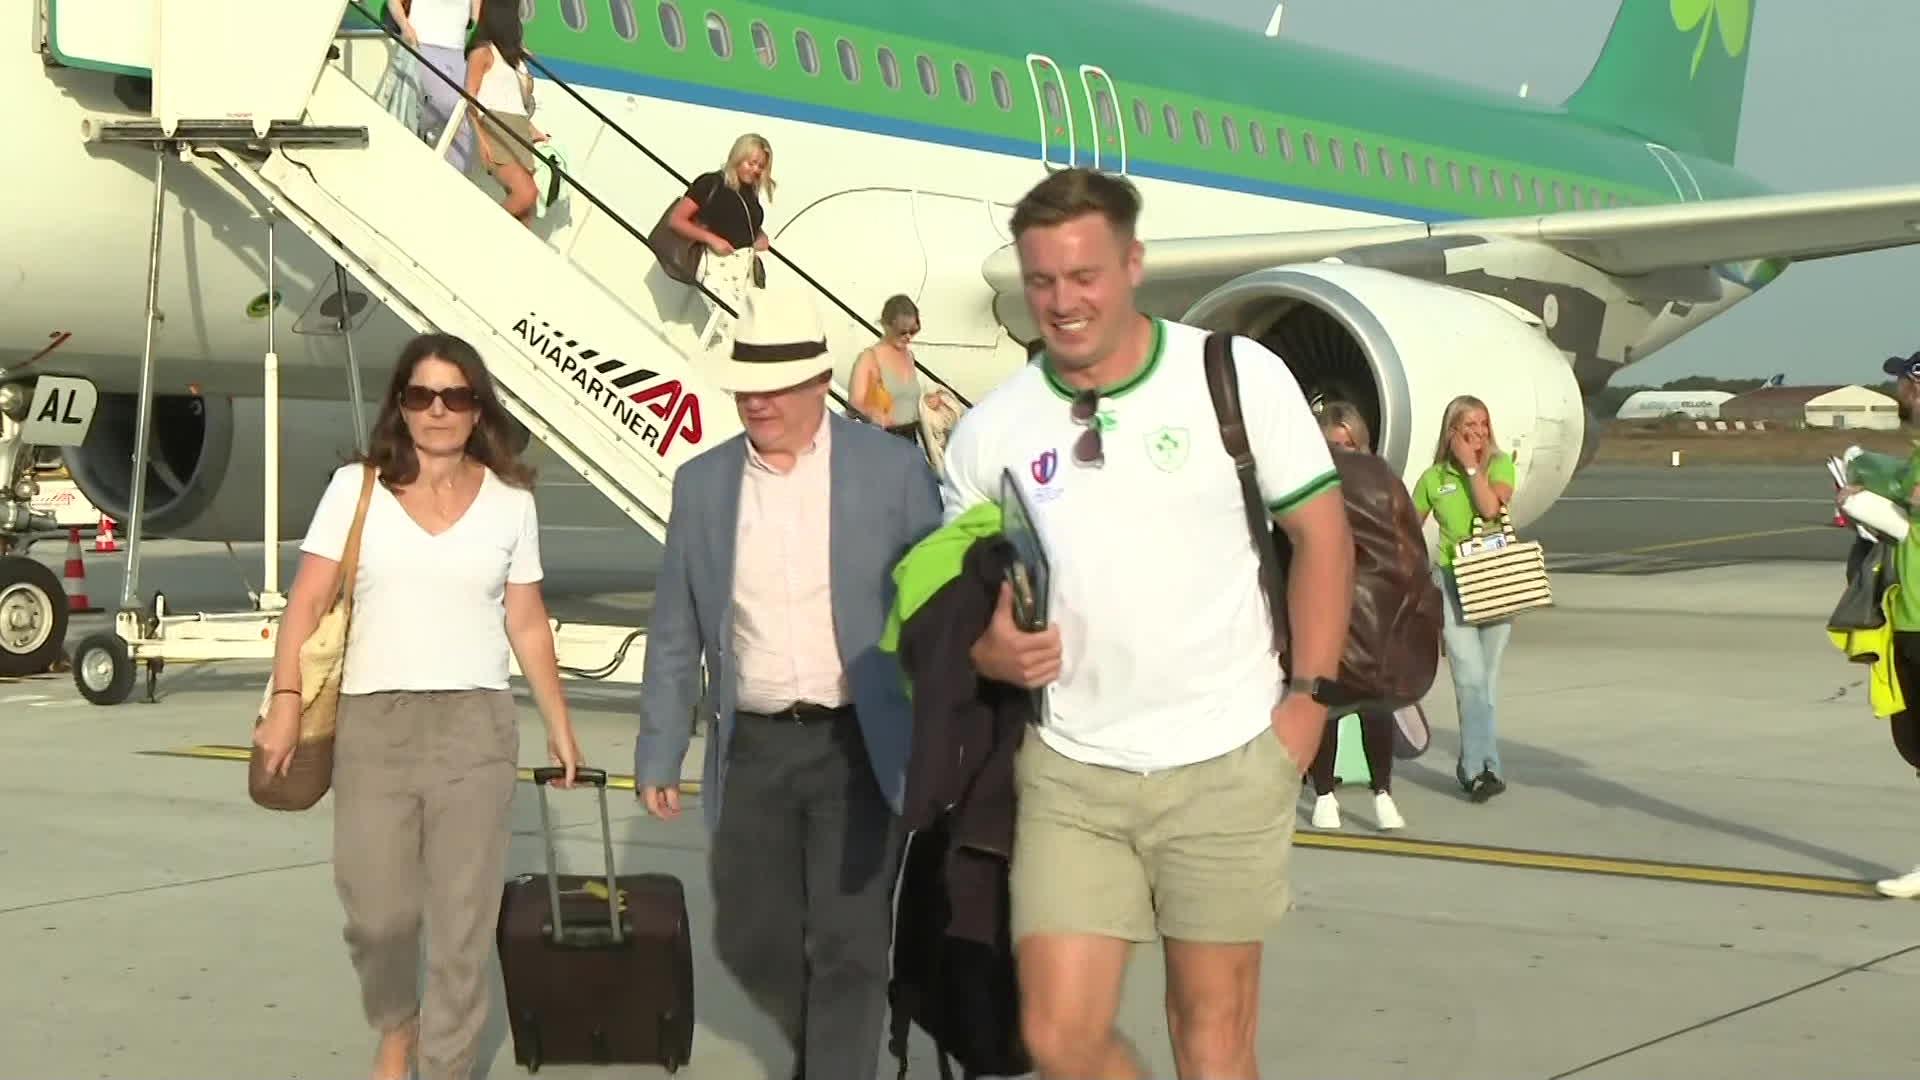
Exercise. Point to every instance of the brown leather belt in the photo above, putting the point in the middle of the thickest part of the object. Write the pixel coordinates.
(801, 712)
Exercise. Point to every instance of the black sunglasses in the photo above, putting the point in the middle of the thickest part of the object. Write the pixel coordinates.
(1088, 448)
(420, 398)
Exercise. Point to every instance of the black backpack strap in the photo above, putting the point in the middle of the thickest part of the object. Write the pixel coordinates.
(1223, 384)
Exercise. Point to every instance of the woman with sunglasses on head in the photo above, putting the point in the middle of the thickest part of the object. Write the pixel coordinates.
(885, 383)
(1346, 431)
(427, 744)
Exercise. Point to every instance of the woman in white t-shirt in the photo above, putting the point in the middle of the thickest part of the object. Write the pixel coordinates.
(426, 750)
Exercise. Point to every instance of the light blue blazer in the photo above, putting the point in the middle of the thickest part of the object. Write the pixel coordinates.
(884, 500)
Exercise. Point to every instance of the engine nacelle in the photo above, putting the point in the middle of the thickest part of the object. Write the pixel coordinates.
(1400, 349)
(205, 476)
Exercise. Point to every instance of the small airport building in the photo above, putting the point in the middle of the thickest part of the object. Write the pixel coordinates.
(1815, 407)
(1658, 404)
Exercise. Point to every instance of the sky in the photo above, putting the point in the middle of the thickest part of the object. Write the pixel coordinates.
(1827, 106)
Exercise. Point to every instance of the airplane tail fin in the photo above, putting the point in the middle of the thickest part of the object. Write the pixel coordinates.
(1673, 72)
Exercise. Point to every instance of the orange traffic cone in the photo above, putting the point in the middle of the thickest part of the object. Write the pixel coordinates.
(75, 577)
(103, 541)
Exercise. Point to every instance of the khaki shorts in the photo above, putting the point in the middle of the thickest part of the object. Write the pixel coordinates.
(505, 150)
(1196, 853)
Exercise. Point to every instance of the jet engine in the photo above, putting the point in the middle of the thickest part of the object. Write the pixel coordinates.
(205, 474)
(1400, 349)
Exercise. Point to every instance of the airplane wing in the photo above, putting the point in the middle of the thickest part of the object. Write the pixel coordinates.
(1625, 241)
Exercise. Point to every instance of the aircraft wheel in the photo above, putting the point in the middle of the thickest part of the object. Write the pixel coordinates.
(103, 668)
(33, 616)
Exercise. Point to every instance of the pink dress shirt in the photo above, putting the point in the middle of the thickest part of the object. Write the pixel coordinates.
(783, 638)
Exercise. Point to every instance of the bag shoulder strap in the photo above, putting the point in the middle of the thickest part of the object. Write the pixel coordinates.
(350, 559)
(1223, 385)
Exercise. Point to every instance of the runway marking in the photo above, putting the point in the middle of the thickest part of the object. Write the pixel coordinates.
(1479, 854)
(1728, 538)
(1535, 859)
(222, 752)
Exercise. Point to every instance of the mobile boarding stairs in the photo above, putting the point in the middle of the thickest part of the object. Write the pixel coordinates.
(256, 102)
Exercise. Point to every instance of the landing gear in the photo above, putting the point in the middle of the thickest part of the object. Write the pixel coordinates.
(103, 668)
(33, 616)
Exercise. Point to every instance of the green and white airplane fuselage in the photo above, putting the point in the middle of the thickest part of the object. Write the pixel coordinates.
(1396, 239)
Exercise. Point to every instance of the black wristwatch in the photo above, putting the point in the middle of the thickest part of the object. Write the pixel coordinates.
(1316, 688)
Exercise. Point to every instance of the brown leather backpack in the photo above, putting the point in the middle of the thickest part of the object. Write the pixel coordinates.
(1393, 635)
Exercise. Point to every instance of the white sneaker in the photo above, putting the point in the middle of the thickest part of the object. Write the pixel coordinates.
(1387, 814)
(1326, 812)
(1904, 887)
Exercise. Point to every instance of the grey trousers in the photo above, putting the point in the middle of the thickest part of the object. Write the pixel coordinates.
(422, 786)
(803, 864)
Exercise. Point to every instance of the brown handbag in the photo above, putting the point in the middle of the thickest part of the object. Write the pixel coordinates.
(679, 257)
(322, 661)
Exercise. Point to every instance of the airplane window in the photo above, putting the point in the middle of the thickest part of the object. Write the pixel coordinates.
(1579, 198)
(1406, 167)
(1473, 180)
(1519, 188)
(963, 79)
(1539, 192)
(1002, 90)
(1257, 138)
(1337, 155)
(719, 35)
(574, 14)
(1493, 178)
(1232, 132)
(929, 75)
(763, 46)
(1593, 198)
(527, 10)
(1453, 175)
(1559, 195)
(808, 51)
(849, 60)
(624, 22)
(1386, 164)
(1109, 118)
(672, 27)
(1311, 146)
(1360, 161)
(889, 68)
(1202, 133)
(1170, 119)
(1142, 117)
(1284, 142)
(1056, 103)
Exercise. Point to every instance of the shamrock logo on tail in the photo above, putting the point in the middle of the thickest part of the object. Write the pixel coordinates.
(1735, 18)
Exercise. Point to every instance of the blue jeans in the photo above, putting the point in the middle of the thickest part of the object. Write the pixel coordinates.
(1473, 658)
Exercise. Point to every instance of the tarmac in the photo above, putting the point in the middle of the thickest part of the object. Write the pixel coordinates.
(1676, 884)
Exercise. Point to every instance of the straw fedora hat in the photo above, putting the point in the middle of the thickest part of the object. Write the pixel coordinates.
(777, 343)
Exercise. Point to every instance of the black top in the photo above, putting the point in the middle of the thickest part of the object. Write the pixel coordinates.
(734, 215)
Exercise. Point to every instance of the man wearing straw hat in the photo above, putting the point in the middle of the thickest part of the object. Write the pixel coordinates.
(779, 555)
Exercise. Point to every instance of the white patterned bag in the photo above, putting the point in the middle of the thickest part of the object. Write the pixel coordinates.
(1498, 575)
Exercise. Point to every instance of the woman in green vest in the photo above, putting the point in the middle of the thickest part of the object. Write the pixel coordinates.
(1470, 477)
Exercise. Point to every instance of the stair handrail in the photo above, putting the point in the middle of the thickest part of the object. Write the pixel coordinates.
(682, 180)
(533, 149)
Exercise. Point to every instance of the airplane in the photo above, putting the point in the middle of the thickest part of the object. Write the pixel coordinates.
(1397, 239)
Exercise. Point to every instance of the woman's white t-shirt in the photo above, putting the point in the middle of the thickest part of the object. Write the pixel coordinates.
(429, 612)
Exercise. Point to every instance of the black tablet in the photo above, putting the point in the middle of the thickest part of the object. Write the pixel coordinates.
(1028, 573)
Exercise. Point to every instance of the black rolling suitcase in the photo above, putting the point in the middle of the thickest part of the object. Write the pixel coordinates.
(598, 970)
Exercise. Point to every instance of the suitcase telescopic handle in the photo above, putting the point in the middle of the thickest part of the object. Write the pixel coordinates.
(543, 776)
(547, 774)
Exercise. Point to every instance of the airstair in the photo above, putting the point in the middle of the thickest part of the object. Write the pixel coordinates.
(262, 106)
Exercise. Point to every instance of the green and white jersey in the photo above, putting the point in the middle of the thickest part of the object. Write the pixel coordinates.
(1167, 649)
